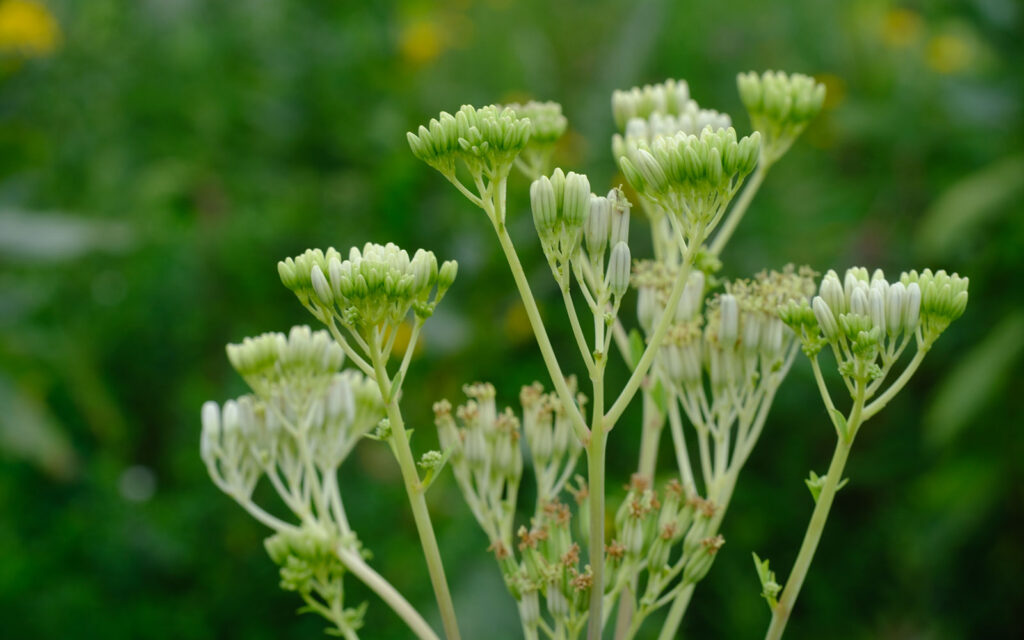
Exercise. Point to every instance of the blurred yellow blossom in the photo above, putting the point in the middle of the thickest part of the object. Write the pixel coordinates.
(949, 53)
(420, 41)
(901, 28)
(27, 27)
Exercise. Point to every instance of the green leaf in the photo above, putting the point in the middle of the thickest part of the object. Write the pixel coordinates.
(815, 483)
(839, 420)
(636, 347)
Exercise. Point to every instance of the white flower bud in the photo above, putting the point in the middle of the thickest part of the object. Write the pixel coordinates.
(446, 275)
(210, 434)
(771, 337)
(596, 228)
(826, 320)
(544, 205)
(617, 277)
(912, 308)
(576, 201)
(751, 333)
(321, 286)
(647, 310)
(832, 292)
(894, 303)
(876, 305)
(728, 330)
(693, 295)
(340, 404)
(619, 216)
(859, 301)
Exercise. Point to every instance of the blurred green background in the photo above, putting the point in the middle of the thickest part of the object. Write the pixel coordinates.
(157, 157)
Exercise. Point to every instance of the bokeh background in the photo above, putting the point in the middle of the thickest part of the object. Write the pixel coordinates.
(157, 157)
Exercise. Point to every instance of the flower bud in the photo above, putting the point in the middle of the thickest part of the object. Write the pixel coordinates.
(596, 228)
(576, 201)
(826, 320)
(912, 308)
(647, 308)
(446, 275)
(619, 216)
(545, 209)
(832, 292)
(728, 330)
(859, 301)
(692, 297)
(617, 277)
(895, 300)
(321, 287)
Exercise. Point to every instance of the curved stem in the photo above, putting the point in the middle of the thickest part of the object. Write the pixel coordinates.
(355, 563)
(879, 403)
(417, 500)
(740, 208)
(543, 342)
(784, 607)
(647, 359)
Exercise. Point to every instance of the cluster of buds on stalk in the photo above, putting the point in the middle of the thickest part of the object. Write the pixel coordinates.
(724, 366)
(295, 429)
(486, 140)
(869, 322)
(780, 107)
(665, 544)
(547, 125)
(484, 451)
(692, 177)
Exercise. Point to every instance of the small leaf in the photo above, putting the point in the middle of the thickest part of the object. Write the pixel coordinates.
(636, 347)
(815, 483)
(839, 420)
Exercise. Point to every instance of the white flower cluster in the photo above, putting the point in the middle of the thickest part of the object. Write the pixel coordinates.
(670, 97)
(485, 139)
(780, 106)
(301, 400)
(691, 120)
(375, 286)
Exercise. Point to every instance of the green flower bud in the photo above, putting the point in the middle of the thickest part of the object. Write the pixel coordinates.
(321, 286)
(728, 329)
(576, 201)
(617, 277)
(826, 320)
(619, 216)
(596, 227)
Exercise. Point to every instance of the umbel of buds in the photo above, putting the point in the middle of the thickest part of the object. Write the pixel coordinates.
(547, 124)
(691, 120)
(692, 177)
(486, 139)
(780, 106)
(378, 285)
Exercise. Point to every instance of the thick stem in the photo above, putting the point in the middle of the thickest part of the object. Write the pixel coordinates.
(733, 220)
(355, 563)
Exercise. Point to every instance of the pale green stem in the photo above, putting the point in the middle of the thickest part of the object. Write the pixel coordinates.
(647, 359)
(577, 329)
(543, 342)
(417, 500)
(879, 403)
(782, 610)
(740, 208)
(595, 482)
(355, 563)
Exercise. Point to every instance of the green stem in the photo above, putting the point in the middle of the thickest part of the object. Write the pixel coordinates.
(354, 562)
(740, 208)
(782, 610)
(543, 342)
(417, 499)
(595, 480)
(897, 384)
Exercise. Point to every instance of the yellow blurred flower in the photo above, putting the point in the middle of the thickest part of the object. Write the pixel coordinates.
(27, 27)
(420, 41)
(949, 53)
(901, 28)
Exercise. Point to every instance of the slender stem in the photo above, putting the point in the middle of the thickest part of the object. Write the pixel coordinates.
(543, 342)
(595, 481)
(647, 359)
(782, 610)
(740, 208)
(355, 563)
(879, 403)
(675, 613)
(577, 330)
(417, 499)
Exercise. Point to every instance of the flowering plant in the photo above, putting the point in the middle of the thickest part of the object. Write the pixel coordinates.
(707, 358)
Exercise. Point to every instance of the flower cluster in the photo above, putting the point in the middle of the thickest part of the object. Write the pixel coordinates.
(547, 125)
(780, 106)
(671, 97)
(487, 140)
(693, 177)
(375, 288)
(869, 322)
(296, 429)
